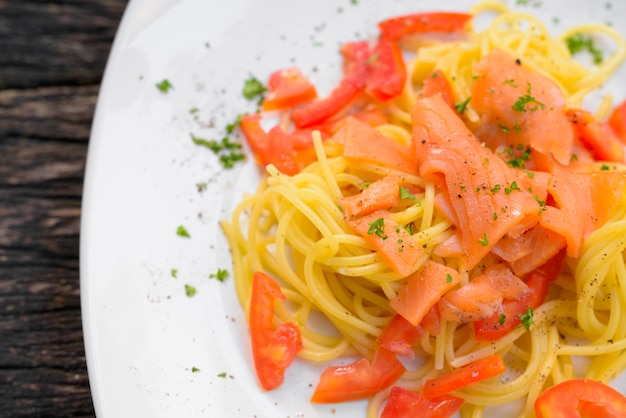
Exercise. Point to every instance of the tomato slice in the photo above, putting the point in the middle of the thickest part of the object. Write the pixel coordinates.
(273, 349)
(358, 380)
(388, 72)
(429, 22)
(399, 336)
(464, 376)
(404, 403)
(617, 120)
(582, 398)
(274, 147)
(498, 325)
(288, 88)
(596, 136)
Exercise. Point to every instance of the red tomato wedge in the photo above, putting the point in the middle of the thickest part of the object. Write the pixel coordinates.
(498, 325)
(419, 23)
(358, 380)
(274, 147)
(464, 376)
(404, 403)
(617, 120)
(580, 398)
(399, 335)
(288, 88)
(597, 136)
(273, 348)
(387, 71)
(356, 56)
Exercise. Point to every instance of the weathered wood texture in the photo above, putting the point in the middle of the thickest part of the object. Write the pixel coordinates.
(52, 55)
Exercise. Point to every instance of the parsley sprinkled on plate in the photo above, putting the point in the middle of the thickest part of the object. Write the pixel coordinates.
(164, 86)
(190, 291)
(253, 88)
(181, 231)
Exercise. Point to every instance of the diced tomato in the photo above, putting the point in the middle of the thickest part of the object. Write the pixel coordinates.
(597, 136)
(273, 348)
(437, 83)
(500, 324)
(356, 56)
(274, 147)
(617, 120)
(359, 380)
(399, 336)
(388, 72)
(428, 22)
(582, 398)
(464, 376)
(320, 110)
(288, 88)
(404, 403)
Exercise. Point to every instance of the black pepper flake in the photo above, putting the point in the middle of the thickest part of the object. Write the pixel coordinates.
(423, 141)
(518, 61)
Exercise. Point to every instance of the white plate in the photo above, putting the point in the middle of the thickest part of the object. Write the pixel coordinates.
(143, 335)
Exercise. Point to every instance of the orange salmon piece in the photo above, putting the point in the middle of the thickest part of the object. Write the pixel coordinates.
(486, 196)
(520, 106)
(390, 239)
(483, 296)
(381, 194)
(423, 290)
(363, 143)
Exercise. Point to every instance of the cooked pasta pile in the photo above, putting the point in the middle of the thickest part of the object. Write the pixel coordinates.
(339, 289)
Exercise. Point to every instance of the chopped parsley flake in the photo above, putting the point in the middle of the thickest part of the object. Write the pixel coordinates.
(495, 189)
(605, 167)
(461, 106)
(195, 370)
(484, 241)
(522, 2)
(523, 101)
(511, 188)
(406, 194)
(230, 128)
(164, 86)
(504, 128)
(378, 228)
(221, 275)
(579, 43)
(253, 88)
(174, 273)
(222, 375)
(502, 319)
(527, 319)
(510, 82)
(449, 278)
(181, 231)
(190, 291)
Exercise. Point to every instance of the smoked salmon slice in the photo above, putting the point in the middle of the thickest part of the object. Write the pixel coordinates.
(519, 106)
(487, 197)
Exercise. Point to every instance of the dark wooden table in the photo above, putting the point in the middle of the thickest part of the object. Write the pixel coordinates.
(52, 55)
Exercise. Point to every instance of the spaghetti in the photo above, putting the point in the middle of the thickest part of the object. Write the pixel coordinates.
(339, 287)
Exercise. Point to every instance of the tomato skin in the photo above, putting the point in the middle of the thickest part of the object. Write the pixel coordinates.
(288, 88)
(273, 147)
(404, 403)
(430, 22)
(358, 380)
(580, 398)
(596, 136)
(617, 121)
(399, 336)
(273, 349)
(493, 328)
(464, 376)
(388, 71)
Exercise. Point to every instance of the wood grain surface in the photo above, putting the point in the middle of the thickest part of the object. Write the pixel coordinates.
(52, 56)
